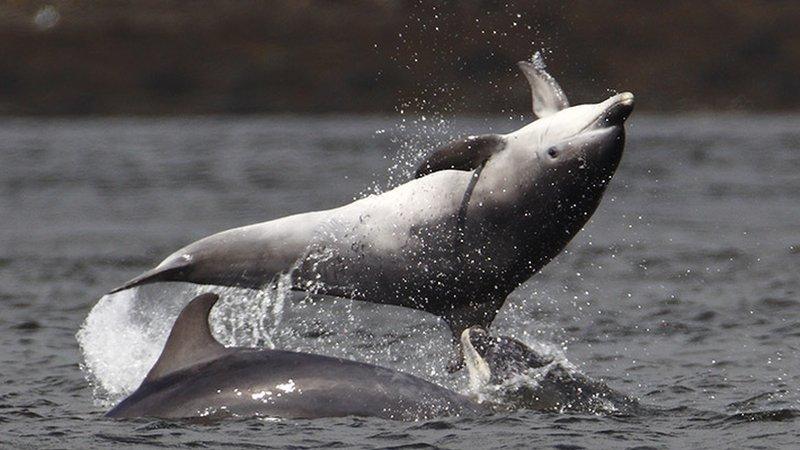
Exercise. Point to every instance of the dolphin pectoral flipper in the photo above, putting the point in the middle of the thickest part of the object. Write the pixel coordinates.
(467, 154)
(190, 342)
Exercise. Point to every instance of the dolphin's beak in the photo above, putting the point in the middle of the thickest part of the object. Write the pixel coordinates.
(617, 109)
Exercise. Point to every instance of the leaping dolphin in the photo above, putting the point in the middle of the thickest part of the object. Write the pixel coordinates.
(481, 216)
(196, 376)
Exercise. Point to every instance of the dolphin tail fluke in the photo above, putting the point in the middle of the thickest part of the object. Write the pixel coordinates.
(164, 272)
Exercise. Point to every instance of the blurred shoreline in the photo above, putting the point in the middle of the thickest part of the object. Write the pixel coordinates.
(161, 58)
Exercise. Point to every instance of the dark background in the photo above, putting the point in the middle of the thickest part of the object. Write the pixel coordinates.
(210, 57)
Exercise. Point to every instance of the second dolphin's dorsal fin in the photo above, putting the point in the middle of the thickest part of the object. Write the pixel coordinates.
(190, 342)
(548, 97)
(466, 154)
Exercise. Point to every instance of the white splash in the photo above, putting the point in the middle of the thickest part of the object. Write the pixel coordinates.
(124, 334)
(116, 358)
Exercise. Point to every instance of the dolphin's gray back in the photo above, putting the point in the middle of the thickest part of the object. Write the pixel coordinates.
(287, 384)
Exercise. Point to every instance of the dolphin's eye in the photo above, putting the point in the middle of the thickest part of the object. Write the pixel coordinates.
(552, 152)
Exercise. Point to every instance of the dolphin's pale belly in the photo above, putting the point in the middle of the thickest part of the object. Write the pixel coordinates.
(395, 248)
(292, 385)
(403, 247)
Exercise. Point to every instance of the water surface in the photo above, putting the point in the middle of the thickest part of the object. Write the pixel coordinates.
(683, 291)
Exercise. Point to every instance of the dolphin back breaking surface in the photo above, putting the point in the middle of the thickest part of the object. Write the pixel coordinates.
(196, 376)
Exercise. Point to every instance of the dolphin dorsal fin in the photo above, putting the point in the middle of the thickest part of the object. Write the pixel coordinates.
(548, 97)
(190, 342)
(466, 154)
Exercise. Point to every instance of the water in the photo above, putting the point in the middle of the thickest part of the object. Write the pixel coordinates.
(683, 290)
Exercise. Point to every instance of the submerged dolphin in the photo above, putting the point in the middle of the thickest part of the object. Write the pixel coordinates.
(196, 376)
(515, 376)
(482, 215)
